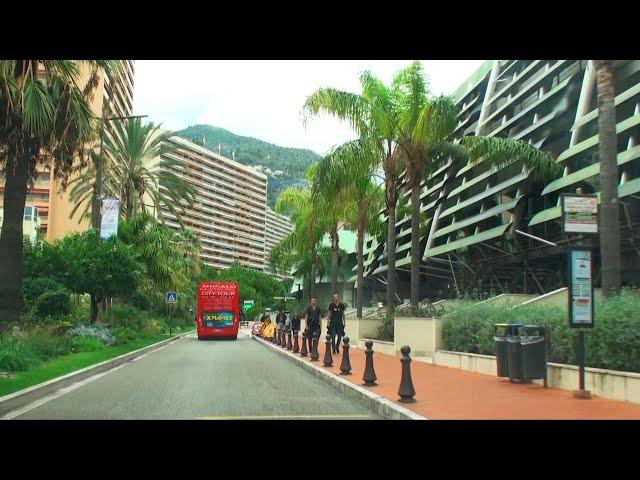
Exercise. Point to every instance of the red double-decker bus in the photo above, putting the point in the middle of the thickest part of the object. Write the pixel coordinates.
(218, 312)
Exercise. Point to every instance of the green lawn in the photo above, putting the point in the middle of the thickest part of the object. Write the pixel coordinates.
(70, 363)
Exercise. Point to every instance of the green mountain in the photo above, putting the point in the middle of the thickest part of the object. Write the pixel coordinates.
(292, 162)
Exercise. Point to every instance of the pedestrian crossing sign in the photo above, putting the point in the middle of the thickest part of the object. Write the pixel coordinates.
(172, 297)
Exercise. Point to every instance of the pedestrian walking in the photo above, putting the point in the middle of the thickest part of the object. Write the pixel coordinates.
(281, 318)
(314, 321)
(336, 320)
(295, 323)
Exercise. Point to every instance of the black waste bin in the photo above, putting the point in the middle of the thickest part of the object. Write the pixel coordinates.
(502, 331)
(533, 351)
(514, 358)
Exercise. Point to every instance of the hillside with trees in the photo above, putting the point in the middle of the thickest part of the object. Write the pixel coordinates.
(292, 162)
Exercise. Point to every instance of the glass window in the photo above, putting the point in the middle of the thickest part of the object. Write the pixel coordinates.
(28, 213)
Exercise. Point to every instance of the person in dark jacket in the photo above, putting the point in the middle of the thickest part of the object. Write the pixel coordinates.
(336, 320)
(295, 323)
(314, 321)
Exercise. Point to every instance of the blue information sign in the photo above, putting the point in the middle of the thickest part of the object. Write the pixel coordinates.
(581, 292)
(172, 297)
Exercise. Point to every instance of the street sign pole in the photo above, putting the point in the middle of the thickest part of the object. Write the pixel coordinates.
(580, 215)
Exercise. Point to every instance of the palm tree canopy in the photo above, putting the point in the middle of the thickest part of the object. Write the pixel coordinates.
(44, 114)
(138, 166)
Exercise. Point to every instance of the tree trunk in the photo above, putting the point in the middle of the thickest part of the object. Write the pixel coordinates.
(95, 307)
(360, 256)
(335, 252)
(312, 286)
(609, 214)
(391, 241)
(11, 236)
(415, 243)
(129, 207)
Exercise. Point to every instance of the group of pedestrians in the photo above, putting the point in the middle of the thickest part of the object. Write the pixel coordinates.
(334, 315)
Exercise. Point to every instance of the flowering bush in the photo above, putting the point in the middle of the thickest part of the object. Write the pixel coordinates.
(96, 331)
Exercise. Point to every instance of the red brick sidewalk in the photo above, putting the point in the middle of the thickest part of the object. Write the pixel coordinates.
(449, 393)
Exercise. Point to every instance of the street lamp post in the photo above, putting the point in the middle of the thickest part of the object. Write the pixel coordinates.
(97, 190)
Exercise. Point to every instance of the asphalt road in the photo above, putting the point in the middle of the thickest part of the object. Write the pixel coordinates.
(193, 379)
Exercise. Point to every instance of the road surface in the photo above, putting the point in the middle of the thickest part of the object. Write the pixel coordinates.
(191, 379)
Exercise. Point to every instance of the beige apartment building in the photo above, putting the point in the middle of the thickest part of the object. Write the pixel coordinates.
(277, 227)
(113, 97)
(229, 215)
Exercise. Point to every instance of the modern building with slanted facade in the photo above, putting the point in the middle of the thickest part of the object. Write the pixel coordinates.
(474, 213)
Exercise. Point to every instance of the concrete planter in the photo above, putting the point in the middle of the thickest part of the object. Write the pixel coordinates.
(612, 384)
(379, 346)
(420, 333)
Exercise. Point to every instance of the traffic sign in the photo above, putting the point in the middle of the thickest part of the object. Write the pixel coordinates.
(247, 305)
(172, 297)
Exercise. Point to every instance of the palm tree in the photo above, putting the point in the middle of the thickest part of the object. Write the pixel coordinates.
(346, 172)
(335, 206)
(170, 258)
(609, 215)
(309, 226)
(424, 123)
(45, 116)
(427, 125)
(137, 165)
(374, 115)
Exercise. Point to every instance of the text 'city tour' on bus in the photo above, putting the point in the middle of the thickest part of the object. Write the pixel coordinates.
(218, 312)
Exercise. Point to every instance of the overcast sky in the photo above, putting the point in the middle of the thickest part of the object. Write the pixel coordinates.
(263, 99)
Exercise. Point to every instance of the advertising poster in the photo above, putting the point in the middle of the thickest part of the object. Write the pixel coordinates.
(110, 213)
(580, 213)
(581, 293)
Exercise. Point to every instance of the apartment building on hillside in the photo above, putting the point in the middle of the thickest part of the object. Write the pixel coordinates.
(229, 215)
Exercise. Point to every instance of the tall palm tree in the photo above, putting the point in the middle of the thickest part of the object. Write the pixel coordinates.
(137, 166)
(609, 214)
(426, 129)
(372, 114)
(45, 117)
(335, 206)
(308, 222)
(346, 172)
(424, 123)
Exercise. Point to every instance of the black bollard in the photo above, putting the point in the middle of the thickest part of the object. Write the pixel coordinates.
(345, 366)
(315, 356)
(369, 376)
(296, 347)
(289, 346)
(303, 351)
(328, 359)
(406, 391)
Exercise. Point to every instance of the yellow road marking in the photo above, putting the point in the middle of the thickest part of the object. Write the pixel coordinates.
(267, 417)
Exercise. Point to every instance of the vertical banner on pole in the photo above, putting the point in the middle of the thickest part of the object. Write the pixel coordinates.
(110, 213)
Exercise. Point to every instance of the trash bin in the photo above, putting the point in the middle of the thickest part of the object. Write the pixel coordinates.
(502, 331)
(514, 358)
(533, 351)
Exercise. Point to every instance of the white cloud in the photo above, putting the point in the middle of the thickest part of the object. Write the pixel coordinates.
(263, 99)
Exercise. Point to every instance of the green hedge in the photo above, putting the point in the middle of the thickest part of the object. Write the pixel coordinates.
(614, 342)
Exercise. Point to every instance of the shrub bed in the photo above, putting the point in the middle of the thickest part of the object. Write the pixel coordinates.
(614, 342)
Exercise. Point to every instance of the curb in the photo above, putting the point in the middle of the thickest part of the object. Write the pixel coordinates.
(22, 397)
(375, 402)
